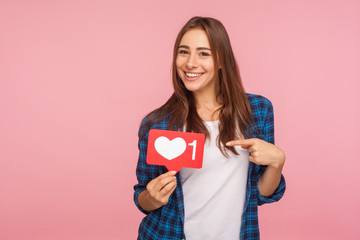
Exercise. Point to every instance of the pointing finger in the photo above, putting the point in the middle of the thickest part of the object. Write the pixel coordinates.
(245, 143)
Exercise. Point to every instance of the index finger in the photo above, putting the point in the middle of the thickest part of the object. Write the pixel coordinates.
(241, 142)
(160, 181)
(167, 174)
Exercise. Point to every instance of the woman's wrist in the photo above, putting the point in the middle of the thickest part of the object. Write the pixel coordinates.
(279, 162)
(147, 202)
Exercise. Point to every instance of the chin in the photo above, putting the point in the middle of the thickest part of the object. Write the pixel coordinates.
(191, 88)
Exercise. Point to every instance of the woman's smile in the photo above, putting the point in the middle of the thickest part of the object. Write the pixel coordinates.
(192, 76)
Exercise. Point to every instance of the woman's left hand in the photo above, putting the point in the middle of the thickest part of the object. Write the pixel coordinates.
(262, 152)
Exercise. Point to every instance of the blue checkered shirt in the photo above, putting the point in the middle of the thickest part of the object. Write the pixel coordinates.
(167, 222)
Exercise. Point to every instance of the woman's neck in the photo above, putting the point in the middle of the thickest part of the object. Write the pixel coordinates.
(207, 98)
(207, 106)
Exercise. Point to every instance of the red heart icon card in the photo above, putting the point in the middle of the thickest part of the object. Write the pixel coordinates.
(175, 149)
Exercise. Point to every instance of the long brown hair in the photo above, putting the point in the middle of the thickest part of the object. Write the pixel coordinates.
(180, 108)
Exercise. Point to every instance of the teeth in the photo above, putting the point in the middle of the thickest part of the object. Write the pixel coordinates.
(193, 74)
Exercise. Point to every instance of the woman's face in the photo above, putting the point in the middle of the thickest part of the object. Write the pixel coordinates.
(195, 63)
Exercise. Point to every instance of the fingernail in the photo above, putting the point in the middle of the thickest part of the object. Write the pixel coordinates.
(228, 143)
(173, 172)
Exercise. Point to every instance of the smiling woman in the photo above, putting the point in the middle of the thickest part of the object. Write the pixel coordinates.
(195, 64)
(241, 165)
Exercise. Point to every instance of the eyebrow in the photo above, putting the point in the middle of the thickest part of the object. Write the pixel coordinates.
(199, 48)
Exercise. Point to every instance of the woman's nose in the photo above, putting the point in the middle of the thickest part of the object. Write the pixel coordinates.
(192, 61)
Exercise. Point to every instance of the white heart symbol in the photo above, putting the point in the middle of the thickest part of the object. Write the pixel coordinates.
(170, 149)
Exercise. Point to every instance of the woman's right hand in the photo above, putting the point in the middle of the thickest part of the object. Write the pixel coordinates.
(161, 188)
(157, 191)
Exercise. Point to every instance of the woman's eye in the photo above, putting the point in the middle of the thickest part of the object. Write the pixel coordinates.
(183, 52)
(204, 54)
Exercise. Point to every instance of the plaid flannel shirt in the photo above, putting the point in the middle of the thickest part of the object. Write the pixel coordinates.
(167, 221)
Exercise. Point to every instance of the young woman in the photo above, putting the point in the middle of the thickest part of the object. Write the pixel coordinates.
(241, 165)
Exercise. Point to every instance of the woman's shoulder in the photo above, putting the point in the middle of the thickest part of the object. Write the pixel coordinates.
(156, 120)
(257, 98)
(259, 103)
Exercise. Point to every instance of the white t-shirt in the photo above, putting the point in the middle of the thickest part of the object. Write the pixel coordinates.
(214, 196)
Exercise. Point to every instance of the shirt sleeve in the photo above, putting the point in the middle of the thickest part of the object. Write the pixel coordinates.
(268, 134)
(144, 172)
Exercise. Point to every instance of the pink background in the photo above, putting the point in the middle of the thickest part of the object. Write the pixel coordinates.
(76, 78)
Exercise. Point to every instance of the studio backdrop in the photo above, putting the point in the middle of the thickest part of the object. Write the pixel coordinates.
(77, 77)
